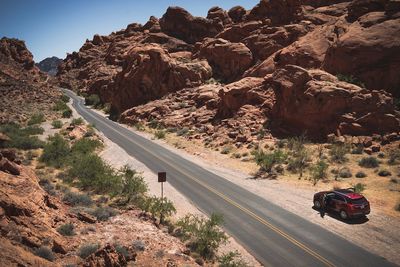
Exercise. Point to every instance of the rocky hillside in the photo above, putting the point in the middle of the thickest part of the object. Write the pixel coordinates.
(49, 65)
(23, 88)
(281, 68)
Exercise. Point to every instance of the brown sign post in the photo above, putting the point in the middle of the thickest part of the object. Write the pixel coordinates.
(162, 178)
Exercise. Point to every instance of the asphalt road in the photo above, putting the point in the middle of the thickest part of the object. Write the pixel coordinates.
(275, 236)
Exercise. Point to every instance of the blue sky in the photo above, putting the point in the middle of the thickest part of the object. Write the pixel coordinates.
(55, 27)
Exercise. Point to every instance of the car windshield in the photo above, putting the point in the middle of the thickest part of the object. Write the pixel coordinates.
(357, 200)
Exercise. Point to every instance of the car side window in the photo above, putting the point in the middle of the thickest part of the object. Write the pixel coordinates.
(339, 197)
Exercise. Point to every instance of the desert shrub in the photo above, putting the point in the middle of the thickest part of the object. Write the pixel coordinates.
(77, 121)
(231, 259)
(65, 98)
(158, 207)
(66, 229)
(318, 171)
(36, 118)
(85, 146)
(160, 134)
(361, 174)
(55, 151)
(60, 106)
(281, 143)
(154, 124)
(182, 132)
(338, 153)
(394, 156)
(87, 249)
(358, 149)
(369, 162)
(384, 173)
(139, 245)
(226, 149)
(296, 144)
(205, 234)
(394, 180)
(103, 213)
(92, 100)
(122, 250)
(139, 126)
(359, 187)
(21, 137)
(77, 199)
(299, 161)
(237, 155)
(350, 79)
(67, 113)
(107, 108)
(45, 253)
(345, 172)
(47, 186)
(267, 160)
(57, 124)
(133, 185)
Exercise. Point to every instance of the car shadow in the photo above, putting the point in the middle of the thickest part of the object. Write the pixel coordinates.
(335, 215)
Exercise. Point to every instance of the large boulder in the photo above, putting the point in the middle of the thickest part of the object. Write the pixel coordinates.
(181, 24)
(219, 15)
(228, 60)
(369, 51)
(104, 257)
(16, 50)
(151, 72)
(237, 13)
(277, 11)
(317, 103)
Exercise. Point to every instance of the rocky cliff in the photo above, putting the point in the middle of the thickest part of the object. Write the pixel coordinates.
(283, 68)
(49, 65)
(23, 88)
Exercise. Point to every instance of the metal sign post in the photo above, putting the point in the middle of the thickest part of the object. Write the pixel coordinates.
(162, 178)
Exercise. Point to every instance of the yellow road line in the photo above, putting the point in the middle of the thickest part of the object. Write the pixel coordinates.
(232, 202)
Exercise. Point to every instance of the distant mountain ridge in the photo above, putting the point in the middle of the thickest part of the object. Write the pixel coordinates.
(49, 65)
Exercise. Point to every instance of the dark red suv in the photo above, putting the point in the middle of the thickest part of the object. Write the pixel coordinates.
(344, 201)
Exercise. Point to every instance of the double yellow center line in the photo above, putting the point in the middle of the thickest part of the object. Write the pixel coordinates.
(230, 201)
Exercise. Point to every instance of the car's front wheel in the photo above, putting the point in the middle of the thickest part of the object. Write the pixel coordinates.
(317, 204)
(343, 215)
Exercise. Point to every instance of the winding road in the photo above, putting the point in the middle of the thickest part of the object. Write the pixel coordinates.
(275, 236)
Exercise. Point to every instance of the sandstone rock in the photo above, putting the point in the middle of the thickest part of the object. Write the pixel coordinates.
(237, 32)
(16, 50)
(278, 11)
(104, 257)
(181, 24)
(237, 13)
(228, 60)
(219, 15)
(152, 25)
(9, 153)
(85, 217)
(8, 166)
(375, 148)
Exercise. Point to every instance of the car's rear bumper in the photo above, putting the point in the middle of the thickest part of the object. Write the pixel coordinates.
(359, 213)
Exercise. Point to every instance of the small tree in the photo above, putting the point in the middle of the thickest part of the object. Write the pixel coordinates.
(318, 171)
(231, 259)
(133, 185)
(338, 153)
(267, 160)
(158, 207)
(205, 234)
(55, 151)
(299, 162)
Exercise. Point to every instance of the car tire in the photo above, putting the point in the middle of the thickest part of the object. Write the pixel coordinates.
(343, 215)
(317, 204)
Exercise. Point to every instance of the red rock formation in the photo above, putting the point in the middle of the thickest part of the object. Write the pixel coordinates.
(277, 11)
(181, 24)
(237, 13)
(228, 60)
(16, 50)
(104, 257)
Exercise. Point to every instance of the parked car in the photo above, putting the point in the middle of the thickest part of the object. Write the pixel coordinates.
(346, 202)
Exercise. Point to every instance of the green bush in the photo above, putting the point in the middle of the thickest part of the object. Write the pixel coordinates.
(205, 234)
(318, 171)
(85, 146)
(139, 126)
(226, 149)
(36, 119)
(21, 137)
(358, 149)
(158, 207)
(299, 161)
(133, 186)
(65, 98)
(92, 100)
(67, 113)
(267, 160)
(77, 121)
(231, 259)
(338, 153)
(122, 250)
(66, 229)
(359, 187)
(361, 174)
(55, 151)
(394, 156)
(60, 106)
(182, 132)
(107, 108)
(384, 173)
(77, 199)
(345, 172)
(45, 253)
(87, 249)
(369, 162)
(160, 134)
(296, 144)
(57, 124)
(154, 124)
(103, 213)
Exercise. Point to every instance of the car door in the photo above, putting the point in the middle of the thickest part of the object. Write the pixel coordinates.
(338, 202)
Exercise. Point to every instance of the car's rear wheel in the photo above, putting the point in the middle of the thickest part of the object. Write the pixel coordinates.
(317, 204)
(343, 215)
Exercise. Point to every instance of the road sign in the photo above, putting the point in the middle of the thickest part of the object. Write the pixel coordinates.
(162, 177)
